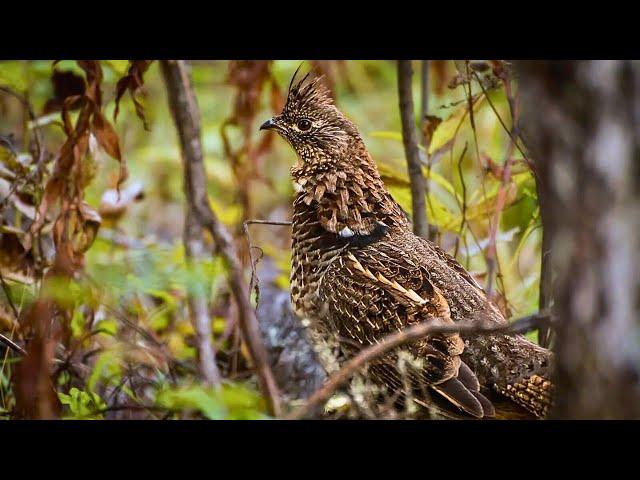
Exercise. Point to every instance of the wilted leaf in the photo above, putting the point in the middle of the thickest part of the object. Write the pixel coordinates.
(91, 221)
(93, 71)
(249, 78)
(106, 136)
(133, 82)
(429, 125)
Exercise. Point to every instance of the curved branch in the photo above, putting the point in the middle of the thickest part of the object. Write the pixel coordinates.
(186, 117)
(415, 332)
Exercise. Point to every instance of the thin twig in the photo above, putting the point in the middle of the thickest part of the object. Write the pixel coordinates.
(424, 112)
(415, 332)
(185, 114)
(424, 88)
(544, 333)
(7, 342)
(27, 105)
(37, 136)
(506, 129)
(254, 283)
(502, 192)
(410, 140)
(461, 202)
(470, 106)
(463, 208)
(7, 293)
(183, 104)
(267, 222)
(546, 286)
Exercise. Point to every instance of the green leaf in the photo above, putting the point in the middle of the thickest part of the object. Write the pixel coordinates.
(447, 130)
(443, 182)
(197, 398)
(13, 75)
(83, 405)
(397, 136)
(77, 323)
(231, 401)
(389, 135)
(533, 223)
(107, 366)
(437, 212)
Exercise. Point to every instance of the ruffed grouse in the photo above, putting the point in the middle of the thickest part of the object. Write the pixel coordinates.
(359, 273)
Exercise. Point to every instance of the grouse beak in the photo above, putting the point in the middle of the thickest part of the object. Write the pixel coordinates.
(268, 125)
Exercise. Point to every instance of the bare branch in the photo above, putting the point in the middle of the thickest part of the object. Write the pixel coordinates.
(7, 293)
(410, 140)
(7, 342)
(463, 208)
(424, 91)
(185, 114)
(546, 279)
(254, 283)
(415, 332)
(504, 182)
(515, 134)
(27, 105)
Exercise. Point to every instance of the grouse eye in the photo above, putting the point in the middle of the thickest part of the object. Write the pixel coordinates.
(304, 124)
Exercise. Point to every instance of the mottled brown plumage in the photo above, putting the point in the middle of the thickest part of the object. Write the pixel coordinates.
(359, 273)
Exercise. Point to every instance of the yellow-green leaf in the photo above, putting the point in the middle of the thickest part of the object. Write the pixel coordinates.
(447, 130)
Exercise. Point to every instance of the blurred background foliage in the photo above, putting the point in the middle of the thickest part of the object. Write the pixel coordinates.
(132, 352)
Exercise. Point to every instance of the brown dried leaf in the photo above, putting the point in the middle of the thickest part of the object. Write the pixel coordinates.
(67, 105)
(93, 70)
(90, 224)
(106, 136)
(249, 78)
(66, 261)
(429, 126)
(133, 82)
(15, 262)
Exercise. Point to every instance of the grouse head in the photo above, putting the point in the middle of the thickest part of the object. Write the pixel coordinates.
(311, 123)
